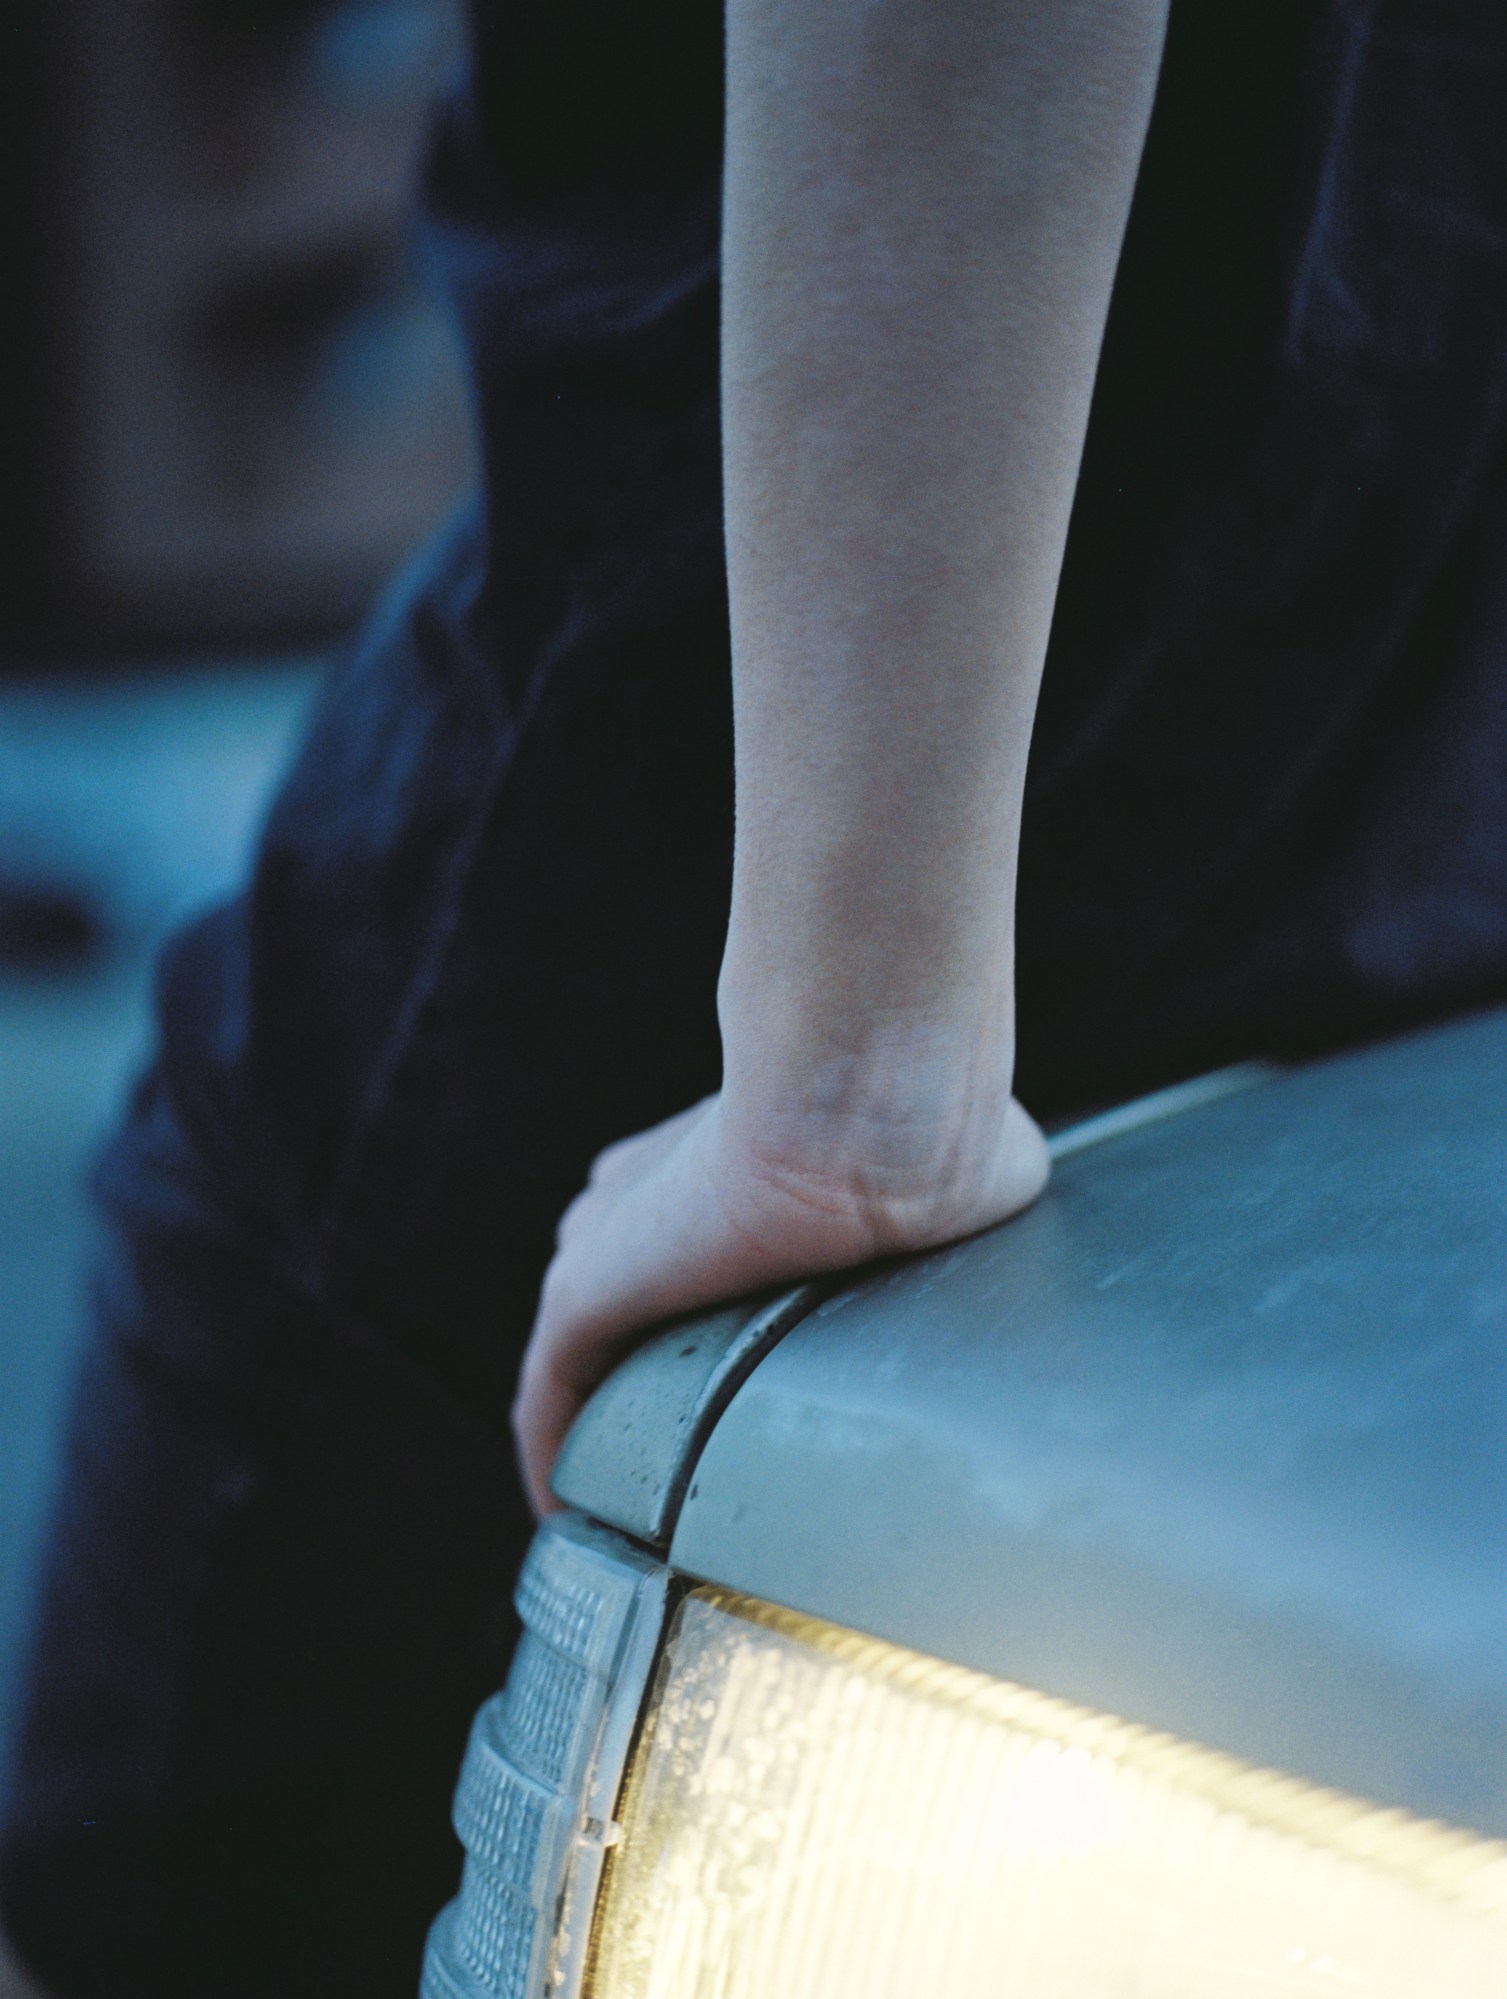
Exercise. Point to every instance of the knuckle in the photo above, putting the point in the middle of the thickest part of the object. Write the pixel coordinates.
(569, 1224)
(555, 1297)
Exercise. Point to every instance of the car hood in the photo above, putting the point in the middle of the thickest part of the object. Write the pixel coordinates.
(1214, 1438)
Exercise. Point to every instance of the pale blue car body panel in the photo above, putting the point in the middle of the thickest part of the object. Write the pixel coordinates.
(1215, 1438)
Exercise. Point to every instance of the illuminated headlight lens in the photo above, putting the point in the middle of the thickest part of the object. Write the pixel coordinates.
(811, 1814)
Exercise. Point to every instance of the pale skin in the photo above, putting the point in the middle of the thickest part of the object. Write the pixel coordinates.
(924, 206)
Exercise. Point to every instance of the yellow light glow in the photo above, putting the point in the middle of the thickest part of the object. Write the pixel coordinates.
(814, 1815)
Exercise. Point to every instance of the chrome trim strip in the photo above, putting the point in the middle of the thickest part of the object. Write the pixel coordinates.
(1171, 1102)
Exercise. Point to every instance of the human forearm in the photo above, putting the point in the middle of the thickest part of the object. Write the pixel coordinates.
(924, 206)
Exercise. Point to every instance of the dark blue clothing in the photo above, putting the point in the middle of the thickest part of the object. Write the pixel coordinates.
(1267, 811)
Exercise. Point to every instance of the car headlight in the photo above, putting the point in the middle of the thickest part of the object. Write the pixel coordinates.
(811, 1812)
(808, 1813)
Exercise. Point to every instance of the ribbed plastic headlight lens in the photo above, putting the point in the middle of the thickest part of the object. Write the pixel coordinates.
(812, 1815)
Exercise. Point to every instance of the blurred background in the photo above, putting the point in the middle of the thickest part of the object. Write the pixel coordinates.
(230, 411)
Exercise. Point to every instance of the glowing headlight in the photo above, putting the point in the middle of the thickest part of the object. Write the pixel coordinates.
(811, 1814)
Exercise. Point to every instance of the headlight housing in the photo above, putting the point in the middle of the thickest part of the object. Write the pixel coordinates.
(809, 1813)
(813, 1814)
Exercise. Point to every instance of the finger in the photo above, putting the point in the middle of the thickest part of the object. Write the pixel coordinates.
(621, 1267)
(629, 1258)
(596, 1297)
(543, 1413)
(633, 1249)
(627, 1157)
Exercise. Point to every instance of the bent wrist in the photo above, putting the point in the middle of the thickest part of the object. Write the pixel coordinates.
(909, 1098)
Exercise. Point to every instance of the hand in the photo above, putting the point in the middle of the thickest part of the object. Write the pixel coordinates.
(694, 1211)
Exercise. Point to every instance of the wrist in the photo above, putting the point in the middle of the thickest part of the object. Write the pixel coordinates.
(898, 1100)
